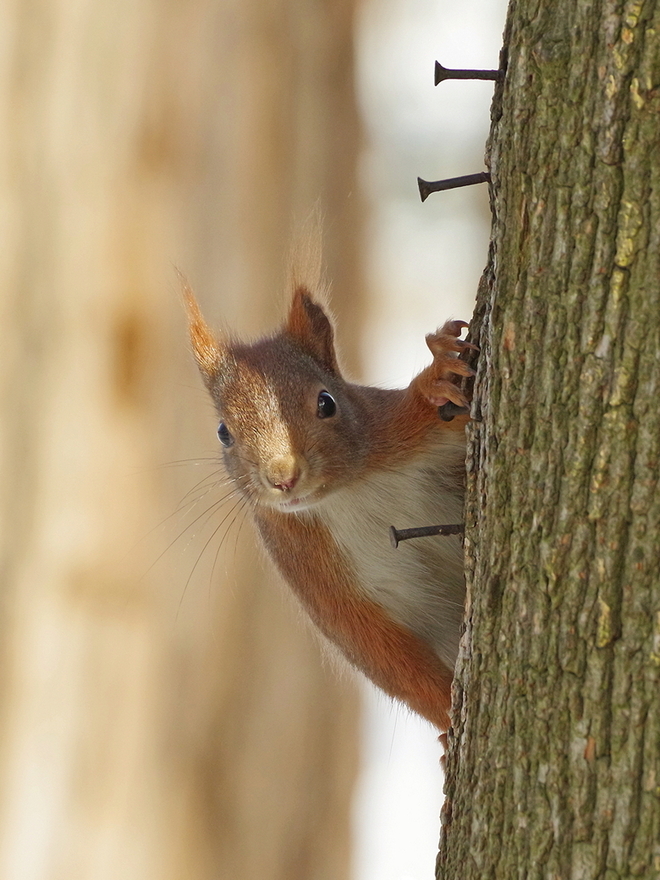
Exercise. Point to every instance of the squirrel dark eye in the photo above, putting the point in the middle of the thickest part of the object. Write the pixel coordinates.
(224, 436)
(326, 405)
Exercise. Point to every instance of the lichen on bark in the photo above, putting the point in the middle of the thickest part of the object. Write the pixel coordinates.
(554, 763)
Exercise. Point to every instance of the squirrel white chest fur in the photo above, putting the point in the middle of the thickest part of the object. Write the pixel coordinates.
(405, 581)
(327, 467)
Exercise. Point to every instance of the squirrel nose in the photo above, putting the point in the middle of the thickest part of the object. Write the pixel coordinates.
(285, 485)
(283, 473)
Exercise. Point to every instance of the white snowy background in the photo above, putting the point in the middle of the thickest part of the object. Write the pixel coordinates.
(424, 263)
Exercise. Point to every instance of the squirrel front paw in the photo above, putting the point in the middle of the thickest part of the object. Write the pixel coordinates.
(438, 382)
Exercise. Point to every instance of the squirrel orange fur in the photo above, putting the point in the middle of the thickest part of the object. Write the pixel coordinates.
(327, 466)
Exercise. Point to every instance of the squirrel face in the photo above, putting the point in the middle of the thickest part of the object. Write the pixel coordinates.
(288, 423)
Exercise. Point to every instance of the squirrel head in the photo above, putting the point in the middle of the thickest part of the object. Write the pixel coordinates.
(290, 426)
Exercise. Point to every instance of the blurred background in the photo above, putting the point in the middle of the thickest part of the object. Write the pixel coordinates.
(165, 711)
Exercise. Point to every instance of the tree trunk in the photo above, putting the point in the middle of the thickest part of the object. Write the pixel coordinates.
(554, 763)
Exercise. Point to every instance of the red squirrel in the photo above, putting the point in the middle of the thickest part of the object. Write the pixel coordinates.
(327, 466)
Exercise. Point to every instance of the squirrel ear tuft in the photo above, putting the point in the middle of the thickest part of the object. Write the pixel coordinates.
(312, 329)
(207, 349)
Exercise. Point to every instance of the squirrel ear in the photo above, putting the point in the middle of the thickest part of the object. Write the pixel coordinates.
(312, 329)
(207, 349)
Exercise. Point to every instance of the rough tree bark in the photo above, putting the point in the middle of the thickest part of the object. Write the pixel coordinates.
(554, 764)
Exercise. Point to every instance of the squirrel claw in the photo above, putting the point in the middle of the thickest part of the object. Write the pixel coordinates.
(467, 346)
(438, 383)
(446, 338)
(443, 391)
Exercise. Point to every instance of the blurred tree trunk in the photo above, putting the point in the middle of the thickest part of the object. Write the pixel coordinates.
(554, 770)
(152, 727)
